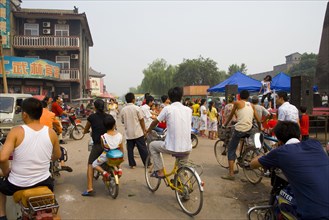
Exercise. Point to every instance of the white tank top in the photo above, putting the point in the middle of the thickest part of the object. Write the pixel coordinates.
(31, 159)
(245, 116)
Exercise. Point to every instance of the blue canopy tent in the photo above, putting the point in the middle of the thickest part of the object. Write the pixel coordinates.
(243, 81)
(281, 82)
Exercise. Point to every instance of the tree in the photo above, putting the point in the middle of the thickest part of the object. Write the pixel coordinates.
(236, 68)
(199, 71)
(306, 66)
(158, 77)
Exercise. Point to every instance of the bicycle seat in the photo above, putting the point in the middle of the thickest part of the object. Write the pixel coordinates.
(180, 155)
(40, 192)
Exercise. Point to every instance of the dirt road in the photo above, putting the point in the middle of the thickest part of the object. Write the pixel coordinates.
(223, 199)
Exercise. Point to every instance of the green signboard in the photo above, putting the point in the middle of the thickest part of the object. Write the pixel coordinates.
(5, 22)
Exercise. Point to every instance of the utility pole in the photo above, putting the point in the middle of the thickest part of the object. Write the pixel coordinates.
(2, 68)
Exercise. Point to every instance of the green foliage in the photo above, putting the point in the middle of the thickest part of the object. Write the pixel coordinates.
(306, 66)
(158, 77)
(199, 71)
(236, 68)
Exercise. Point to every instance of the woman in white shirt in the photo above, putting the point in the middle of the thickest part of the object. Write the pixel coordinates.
(266, 86)
(203, 118)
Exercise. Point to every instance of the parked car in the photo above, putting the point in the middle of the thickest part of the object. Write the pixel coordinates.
(10, 111)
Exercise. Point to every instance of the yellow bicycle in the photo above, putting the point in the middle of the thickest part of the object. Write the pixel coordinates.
(186, 182)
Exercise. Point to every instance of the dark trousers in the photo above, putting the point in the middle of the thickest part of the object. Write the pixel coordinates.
(142, 149)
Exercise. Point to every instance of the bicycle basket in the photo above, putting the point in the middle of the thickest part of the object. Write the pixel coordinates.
(221, 133)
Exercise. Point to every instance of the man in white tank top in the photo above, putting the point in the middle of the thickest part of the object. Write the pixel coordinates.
(24, 143)
(245, 113)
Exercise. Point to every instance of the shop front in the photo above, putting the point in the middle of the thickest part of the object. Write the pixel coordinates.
(30, 76)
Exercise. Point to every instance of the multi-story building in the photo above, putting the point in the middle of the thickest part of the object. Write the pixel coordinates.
(48, 52)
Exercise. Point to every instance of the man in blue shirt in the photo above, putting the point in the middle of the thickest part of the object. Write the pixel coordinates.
(306, 167)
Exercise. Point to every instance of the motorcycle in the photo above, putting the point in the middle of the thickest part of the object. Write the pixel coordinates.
(72, 127)
(115, 158)
(34, 203)
(281, 204)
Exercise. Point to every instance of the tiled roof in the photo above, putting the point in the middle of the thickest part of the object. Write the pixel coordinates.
(94, 73)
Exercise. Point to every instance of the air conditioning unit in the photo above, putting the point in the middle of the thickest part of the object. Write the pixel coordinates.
(46, 31)
(74, 56)
(46, 24)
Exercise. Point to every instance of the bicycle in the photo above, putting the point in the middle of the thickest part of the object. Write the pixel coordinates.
(246, 154)
(261, 147)
(186, 182)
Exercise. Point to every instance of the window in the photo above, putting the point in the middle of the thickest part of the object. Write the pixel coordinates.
(31, 29)
(64, 61)
(61, 30)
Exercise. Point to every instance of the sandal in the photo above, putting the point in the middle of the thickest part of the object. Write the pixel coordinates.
(228, 177)
(88, 193)
(155, 174)
(67, 168)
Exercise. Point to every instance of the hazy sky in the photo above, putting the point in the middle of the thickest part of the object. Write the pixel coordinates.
(129, 35)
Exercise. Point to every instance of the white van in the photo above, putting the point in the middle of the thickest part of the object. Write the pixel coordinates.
(10, 111)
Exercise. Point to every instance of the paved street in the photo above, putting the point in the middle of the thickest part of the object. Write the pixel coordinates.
(222, 199)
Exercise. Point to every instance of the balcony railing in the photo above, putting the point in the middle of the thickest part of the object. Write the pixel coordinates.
(23, 41)
(70, 74)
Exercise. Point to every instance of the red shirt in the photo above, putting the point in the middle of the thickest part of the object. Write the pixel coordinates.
(57, 109)
(304, 124)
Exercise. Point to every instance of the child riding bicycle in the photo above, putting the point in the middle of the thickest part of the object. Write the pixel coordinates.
(111, 140)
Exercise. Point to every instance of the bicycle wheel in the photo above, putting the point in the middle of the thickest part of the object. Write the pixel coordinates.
(221, 153)
(152, 182)
(77, 132)
(254, 176)
(265, 212)
(190, 192)
(194, 140)
(112, 187)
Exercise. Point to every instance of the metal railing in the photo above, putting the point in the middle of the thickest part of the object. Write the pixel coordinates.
(23, 41)
(69, 74)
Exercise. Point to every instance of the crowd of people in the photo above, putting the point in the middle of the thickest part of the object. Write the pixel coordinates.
(237, 117)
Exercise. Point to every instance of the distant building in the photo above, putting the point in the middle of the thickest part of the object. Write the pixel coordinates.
(96, 85)
(47, 52)
(291, 60)
(199, 91)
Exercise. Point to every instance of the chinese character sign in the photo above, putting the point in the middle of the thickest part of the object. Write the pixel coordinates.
(95, 86)
(21, 67)
(5, 22)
